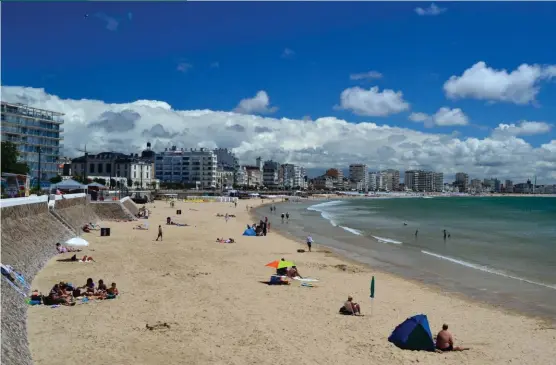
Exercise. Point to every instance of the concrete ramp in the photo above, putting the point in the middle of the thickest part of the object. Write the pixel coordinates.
(130, 205)
(29, 235)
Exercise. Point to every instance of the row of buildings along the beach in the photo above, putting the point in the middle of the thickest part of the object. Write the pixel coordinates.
(38, 135)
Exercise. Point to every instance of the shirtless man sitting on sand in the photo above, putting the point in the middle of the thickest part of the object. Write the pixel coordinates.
(445, 341)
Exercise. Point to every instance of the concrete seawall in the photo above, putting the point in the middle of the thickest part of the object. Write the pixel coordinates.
(29, 235)
(76, 212)
(111, 211)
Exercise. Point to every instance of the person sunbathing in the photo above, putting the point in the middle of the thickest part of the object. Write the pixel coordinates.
(141, 227)
(445, 341)
(350, 307)
(86, 229)
(75, 259)
(293, 272)
(65, 249)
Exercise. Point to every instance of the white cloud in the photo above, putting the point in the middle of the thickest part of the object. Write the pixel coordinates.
(372, 102)
(523, 128)
(432, 10)
(371, 75)
(215, 65)
(111, 23)
(444, 117)
(184, 67)
(322, 143)
(519, 86)
(288, 53)
(259, 104)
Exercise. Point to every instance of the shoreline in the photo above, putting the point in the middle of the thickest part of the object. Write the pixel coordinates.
(210, 294)
(342, 254)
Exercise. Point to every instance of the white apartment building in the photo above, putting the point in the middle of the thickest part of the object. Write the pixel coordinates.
(118, 167)
(424, 181)
(195, 167)
(373, 178)
(292, 176)
(391, 180)
(359, 172)
(253, 176)
(462, 182)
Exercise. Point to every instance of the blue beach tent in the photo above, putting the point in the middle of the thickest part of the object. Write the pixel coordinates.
(249, 232)
(413, 334)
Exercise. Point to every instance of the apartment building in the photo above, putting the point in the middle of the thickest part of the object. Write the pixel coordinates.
(390, 180)
(462, 182)
(359, 173)
(337, 178)
(37, 133)
(116, 166)
(424, 181)
(195, 167)
(509, 186)
(373, 178)
(253, 176)
(292, 176)
(271, 174)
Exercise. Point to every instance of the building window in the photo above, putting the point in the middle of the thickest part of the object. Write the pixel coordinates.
(92, 168)
(109, 168)
(134, 174)
(100, 168)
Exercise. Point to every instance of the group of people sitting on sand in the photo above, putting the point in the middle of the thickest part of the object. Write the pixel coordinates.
(223, 240)
(262, 228)
(65, 293)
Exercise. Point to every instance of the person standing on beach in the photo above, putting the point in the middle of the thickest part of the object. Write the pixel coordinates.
(159, 233)
(309, 242)
(416, 233)
(226, 217)
(287, 217)
(445, 234)
(282, 217)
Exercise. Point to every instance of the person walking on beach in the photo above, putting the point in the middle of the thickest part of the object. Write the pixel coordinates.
(287, 217)
(226, 217)
(309, 242)
(282, 217)
(159, 233)
(445, 341)
(416, 232)
(445, 235)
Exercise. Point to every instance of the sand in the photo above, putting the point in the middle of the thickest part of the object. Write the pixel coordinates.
(218, 312)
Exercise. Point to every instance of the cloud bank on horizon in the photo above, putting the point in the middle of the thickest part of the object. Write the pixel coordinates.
(321, 143)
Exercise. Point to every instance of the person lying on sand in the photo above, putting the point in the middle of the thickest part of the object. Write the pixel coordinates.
(86, 229)
(350, 307)
(64, 249)
(293, 272)
(445, 341)
(75, 259)
(141, 227)
(222, 240)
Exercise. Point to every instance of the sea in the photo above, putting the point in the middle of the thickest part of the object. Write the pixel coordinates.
(499, 250)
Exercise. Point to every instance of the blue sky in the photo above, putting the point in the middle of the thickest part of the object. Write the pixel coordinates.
(122, 52)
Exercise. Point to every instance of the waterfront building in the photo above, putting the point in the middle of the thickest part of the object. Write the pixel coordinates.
(509, 186)
(37, 133)
(194, 167)
(462, 182)
(337, 178)
(292, 176)
(373, 177)
(424, 181)
(359, 173)
(391, 179)
(271, 173)
(253, 176)
(323, 182)
(116, 166)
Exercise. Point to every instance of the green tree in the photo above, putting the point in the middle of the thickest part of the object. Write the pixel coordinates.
(56, 179)
(100, 180)
(10, 154)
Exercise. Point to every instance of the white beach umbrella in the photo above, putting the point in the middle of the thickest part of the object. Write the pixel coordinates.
(77, 241)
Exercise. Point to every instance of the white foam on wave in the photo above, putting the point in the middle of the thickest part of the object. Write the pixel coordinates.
(387, 240)
(320, 208)
(486, 269)
(352, 230)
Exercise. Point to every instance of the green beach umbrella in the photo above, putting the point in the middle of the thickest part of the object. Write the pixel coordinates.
(372, 288)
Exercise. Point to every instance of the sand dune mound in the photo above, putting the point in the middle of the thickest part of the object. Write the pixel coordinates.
(29, 234)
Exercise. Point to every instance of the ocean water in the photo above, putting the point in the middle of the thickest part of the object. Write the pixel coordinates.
(501, 250)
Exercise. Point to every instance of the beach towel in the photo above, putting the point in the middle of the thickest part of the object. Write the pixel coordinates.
(305, 279)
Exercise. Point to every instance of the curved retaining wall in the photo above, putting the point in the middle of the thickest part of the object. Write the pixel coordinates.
(29, 234)
(111, 211)
(76, 212)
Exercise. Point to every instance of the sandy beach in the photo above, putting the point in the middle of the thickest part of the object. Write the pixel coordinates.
(218, 312)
